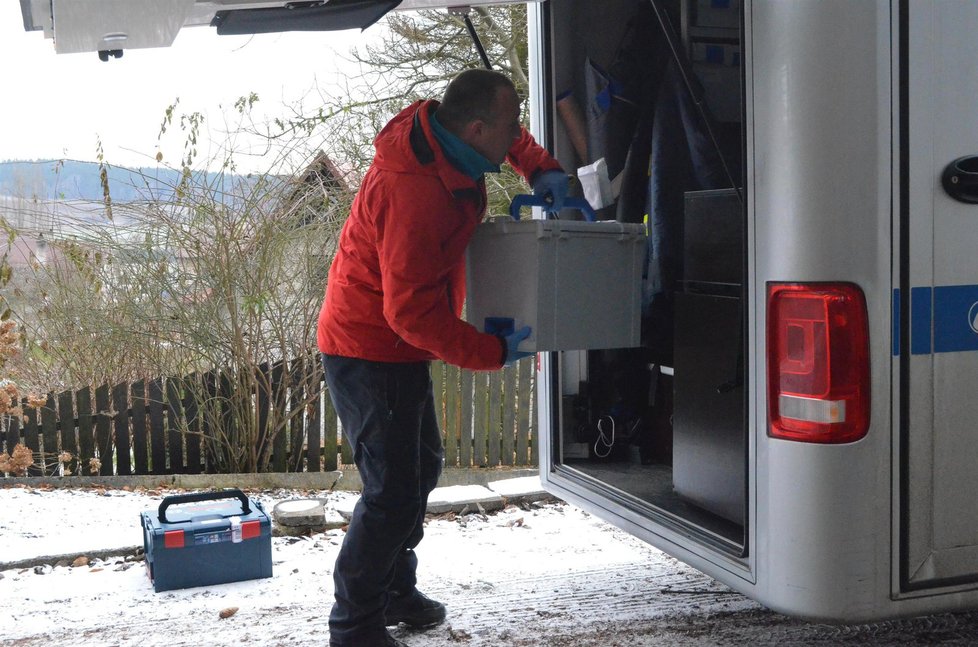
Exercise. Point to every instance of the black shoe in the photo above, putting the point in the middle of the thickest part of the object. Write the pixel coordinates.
(386, 641)
(394, 642)
(414, 609)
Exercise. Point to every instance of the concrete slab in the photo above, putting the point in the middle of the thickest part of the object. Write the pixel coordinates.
(454, 498)
(300, 512)
(347, 479)
(525, 489)
(302, 516)
(344, 508)
(457, 498)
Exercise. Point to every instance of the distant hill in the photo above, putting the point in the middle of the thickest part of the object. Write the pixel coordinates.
(71, 180)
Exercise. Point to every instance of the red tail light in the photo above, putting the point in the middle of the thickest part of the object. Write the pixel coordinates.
(817, 362)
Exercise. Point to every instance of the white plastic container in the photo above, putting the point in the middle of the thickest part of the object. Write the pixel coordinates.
(576, 283)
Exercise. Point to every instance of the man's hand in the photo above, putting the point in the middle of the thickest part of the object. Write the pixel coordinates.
(552, 185)
(513, 353)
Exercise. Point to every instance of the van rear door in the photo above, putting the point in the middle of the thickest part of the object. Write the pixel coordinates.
(938, 360)
(115, 25)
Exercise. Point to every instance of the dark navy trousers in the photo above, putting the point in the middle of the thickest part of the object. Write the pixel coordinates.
(388, 417)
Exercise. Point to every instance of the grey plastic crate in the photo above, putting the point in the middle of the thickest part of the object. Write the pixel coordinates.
(577, 284)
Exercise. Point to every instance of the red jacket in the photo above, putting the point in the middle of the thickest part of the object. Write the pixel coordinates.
(397, 282)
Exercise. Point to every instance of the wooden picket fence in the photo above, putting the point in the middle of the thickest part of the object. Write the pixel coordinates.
(154, 426)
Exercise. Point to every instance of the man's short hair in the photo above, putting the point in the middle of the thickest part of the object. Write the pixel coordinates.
(470, 96)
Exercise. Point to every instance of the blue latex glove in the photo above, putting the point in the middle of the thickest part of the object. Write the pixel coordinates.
(552, 185)
(513, 353)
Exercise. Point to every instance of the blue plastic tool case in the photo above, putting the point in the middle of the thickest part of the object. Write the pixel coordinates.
(206, 538)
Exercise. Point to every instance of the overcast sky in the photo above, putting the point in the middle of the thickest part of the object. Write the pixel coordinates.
(59, 105)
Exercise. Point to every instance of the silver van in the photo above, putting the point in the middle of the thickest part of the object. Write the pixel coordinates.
(800, 420)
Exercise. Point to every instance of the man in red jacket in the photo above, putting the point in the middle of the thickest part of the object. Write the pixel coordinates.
(393, 302)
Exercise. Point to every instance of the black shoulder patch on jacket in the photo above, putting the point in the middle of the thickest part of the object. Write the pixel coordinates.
(419, 143)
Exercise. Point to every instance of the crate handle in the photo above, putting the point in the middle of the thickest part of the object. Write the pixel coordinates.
(527, 200)
(204, 496)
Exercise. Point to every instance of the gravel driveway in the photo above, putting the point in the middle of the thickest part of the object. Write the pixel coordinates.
(540, 575)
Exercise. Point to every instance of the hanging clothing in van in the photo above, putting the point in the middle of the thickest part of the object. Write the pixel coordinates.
(618, 101)
(682, 159)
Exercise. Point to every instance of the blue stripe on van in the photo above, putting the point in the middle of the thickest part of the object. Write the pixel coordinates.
(895, 318)
(942, 319)
(955, 318)
(920, 321)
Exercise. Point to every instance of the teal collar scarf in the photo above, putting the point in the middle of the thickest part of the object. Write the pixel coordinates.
(461, 155)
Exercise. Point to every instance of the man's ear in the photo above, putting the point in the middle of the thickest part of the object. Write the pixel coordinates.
(473, 131)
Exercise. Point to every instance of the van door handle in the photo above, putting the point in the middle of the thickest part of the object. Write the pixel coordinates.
(960, 179)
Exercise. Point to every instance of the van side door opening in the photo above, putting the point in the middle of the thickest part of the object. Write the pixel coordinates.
(660, 429)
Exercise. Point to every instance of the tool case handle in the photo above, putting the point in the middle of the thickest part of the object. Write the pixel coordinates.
(528, 200)
(229, 493)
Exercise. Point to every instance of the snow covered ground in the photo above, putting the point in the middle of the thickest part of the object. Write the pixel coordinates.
(549, 575)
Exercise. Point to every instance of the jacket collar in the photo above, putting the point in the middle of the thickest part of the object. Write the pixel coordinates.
(419, 143)
(425, 147)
